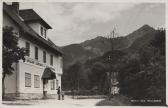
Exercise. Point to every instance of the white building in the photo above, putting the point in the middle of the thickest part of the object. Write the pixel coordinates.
(40, 74)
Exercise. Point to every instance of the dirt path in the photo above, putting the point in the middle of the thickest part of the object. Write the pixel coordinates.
(51, 103)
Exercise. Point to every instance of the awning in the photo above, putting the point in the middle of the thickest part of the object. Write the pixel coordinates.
(48, 74)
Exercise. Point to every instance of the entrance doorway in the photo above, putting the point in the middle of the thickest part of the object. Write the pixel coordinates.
(45, 86)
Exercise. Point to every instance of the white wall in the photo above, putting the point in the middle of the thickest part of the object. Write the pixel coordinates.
(10, 81)
(36, 26)
(38, 70)
(57, 60)
(34, 70)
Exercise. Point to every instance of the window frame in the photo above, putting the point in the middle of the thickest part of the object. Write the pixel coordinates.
(36, 81)
(52, 84)
(51, 60)
(44, 57)
(27, 47)
(41, 30)
(45, 32)
(27, 79)
(57, 84)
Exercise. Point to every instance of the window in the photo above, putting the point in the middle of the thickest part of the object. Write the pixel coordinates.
(36, 53)
(44, 56)
(27, 80)
(57, 84)
(41, 31)
(27, 46)
(51, 60)
(45, 33)
(53, 84)
(36, 81)
(61, 63)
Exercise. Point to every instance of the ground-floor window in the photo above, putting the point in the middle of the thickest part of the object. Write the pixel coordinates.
(53, 84)
(27, 80)
(56, 84)
(36, 81)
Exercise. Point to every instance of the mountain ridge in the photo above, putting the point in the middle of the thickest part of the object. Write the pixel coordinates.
(93, 48)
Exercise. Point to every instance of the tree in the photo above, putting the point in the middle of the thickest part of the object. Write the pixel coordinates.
(98, 77)
(159, 41)
(145, 74)
(11, 53)
(72, 76)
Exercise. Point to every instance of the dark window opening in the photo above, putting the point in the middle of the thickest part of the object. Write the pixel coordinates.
(36, 53)
(27, 48)
(44, 56)
(51, 60)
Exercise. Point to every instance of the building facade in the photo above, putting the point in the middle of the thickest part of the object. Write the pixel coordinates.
(39, 75)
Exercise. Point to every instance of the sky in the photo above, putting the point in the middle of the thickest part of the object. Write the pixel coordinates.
(75, 22)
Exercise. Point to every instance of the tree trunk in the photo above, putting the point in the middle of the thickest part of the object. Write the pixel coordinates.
(3, 86)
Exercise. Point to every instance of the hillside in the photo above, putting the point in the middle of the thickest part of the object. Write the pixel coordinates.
(93, 48)
(74, 53)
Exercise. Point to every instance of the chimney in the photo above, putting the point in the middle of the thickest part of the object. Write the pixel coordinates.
(15, 6)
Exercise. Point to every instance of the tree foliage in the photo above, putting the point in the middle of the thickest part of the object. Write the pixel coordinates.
(12, 53)
(72, 76)
(142, 73)
(145, 76)
(98, 77)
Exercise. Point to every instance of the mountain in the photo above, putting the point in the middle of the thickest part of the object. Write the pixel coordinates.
(143, 34)
(74, 53)
(93, 48)
(144, 40)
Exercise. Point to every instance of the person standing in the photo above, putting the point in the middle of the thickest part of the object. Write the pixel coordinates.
(59, 93)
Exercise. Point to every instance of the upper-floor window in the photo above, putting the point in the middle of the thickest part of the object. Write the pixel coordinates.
(43, 32)
(51, 60)
(36, 53)
(27, 46)
(61, 63)
(44, 56)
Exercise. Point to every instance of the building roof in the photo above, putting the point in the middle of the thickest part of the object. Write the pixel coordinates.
(30, 15)
(32, 35)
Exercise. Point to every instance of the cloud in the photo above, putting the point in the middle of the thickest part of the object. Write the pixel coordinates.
(75, 24)
(72, 21)
(98, 12)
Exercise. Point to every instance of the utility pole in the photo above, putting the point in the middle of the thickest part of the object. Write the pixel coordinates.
(111, 37)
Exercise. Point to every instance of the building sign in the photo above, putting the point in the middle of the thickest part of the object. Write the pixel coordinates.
(39, 64)
(30, 60)
(35, 62)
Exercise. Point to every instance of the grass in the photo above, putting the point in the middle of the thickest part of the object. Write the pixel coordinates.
(115, 101)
